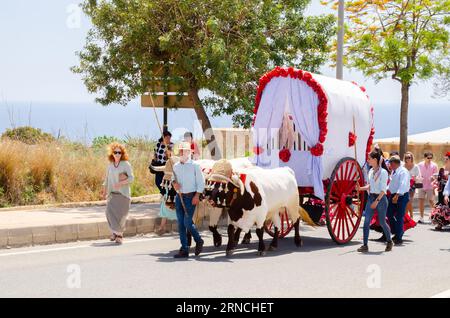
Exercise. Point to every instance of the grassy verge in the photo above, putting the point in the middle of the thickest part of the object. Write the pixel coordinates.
(62, 171)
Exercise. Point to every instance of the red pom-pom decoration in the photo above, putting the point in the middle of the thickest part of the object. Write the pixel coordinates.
(284, 155)
(258, 150)
(351, 139)
(317, 150)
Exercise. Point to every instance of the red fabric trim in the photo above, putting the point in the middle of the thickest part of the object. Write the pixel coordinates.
(243, 176)
(306, 77)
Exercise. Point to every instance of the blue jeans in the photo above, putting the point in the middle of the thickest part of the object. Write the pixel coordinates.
(396, 214)
(185, 221)
(381, 209)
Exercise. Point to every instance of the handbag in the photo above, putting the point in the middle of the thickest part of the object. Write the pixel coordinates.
(155, 163)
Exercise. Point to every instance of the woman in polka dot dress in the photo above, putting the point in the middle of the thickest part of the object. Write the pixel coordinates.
(161, 157)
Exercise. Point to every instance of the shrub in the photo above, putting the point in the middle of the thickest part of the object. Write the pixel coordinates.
(28, 135)
(99, 143)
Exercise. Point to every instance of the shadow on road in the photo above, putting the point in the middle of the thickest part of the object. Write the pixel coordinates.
(285, 246)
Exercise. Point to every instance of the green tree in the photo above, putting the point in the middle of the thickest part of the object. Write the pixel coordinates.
(402, 39)
(221, 46)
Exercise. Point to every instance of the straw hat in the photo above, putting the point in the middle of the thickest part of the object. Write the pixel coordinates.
(221, 171)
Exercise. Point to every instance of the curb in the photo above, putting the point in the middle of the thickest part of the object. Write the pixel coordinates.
(152, 198)
(44, 235)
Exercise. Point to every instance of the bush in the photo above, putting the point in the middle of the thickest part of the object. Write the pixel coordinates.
(28, 135)
(99, 143)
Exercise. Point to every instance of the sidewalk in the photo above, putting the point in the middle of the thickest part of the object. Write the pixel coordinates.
(62, 223)
(25, 226)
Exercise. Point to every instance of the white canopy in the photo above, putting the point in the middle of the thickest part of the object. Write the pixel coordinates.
(346, 103)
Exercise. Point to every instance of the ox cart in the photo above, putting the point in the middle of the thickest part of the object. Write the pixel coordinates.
(322, 128)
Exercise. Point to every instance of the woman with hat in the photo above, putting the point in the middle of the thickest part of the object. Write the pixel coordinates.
(189, 183)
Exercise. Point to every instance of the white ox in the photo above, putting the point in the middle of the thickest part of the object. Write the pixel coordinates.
(258, 195)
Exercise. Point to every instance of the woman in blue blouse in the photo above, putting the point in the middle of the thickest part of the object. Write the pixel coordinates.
(378, 179)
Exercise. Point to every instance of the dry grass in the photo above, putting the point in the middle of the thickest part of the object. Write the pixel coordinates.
(61, 172)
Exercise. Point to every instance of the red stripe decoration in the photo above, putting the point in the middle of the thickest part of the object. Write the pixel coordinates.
(306, 77)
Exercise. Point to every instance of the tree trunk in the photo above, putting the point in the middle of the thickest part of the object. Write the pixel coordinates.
(404, 119)
(213, 148)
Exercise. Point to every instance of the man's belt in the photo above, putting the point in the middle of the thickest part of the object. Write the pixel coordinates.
(188, 194)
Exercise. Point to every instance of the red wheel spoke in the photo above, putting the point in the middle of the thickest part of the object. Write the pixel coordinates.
(346, 224)
(348, 168)
(349, 213)
(339, 225)
(332, 212)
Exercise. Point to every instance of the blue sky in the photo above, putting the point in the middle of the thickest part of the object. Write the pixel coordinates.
(38, 40)
(38, 43)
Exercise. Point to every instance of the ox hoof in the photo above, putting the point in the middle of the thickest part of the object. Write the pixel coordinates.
(272, 248)
(245, 241)
(229, 253)
(261, 253)
(299, 243)
(218, 242)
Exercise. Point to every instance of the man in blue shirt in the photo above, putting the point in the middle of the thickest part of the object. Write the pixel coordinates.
(399, 188)
(188, 181)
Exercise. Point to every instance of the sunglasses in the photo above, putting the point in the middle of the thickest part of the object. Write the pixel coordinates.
(429, 158)
(117, 152)
(408, 157)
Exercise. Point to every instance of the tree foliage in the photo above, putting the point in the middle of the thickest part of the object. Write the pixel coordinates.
(406, 40)
(222, 46)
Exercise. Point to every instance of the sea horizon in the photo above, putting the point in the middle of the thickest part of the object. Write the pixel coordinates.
(83, 122)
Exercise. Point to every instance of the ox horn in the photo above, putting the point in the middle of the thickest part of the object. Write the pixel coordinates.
(238, 182)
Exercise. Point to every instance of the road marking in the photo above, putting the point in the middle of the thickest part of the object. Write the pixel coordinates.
(444, 294)
(82, 246)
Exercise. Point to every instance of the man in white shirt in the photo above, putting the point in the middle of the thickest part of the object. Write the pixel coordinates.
(399, 188)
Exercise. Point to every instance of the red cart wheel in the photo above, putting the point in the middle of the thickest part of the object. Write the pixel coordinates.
(343, 204)
(286, 226)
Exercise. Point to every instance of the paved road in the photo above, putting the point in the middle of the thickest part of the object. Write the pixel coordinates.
(144, 267)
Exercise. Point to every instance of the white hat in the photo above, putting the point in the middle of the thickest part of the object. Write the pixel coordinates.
(184, 146)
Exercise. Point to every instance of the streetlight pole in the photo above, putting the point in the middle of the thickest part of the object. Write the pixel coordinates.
(340, 41)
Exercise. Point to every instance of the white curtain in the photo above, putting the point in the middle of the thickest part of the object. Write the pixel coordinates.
(269, 119)
(304, 103)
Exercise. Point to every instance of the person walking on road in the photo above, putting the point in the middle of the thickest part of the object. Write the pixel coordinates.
(446, 192)
(116, 190)
(378, 179)
(188, 181)
(414, 174)
(427, 170)
(399, 186)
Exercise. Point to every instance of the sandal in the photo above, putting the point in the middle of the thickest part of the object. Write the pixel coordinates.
(160, 231)
(119, 239)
